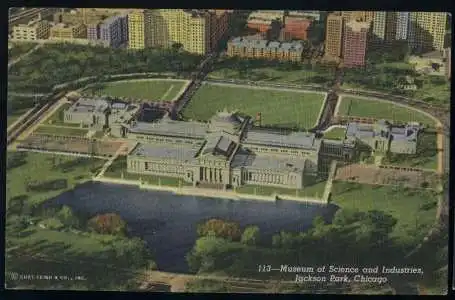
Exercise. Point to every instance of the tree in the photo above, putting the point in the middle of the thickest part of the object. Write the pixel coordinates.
(251, 236)
(220, 228)
(16, 205)
(108, 224)
(177, 46)
(347, 216)
(67, 217)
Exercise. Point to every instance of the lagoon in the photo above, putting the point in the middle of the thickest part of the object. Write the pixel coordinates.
(168, 222)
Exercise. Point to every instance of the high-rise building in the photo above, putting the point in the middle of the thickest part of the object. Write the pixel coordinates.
(379, 25)
(427, 30)
(402, 25)
(93, 31)
(334, 35)
(355, 43)
(139, 29)
(113, 31)
(198, 31)
(384, 26)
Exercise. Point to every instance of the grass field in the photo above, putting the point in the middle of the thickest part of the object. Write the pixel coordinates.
(118, 170)
(278, 108)
(335, 133)
(32, 166)
(314, 191)
(359, 107)
(144, 89)
(415, 211)
(57, 130)
(313, 187)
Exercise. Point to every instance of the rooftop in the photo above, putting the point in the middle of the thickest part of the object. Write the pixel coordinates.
(358, 26)
(296, 46)
(294, 139)
(217, 144)
(166, 152)
(171, 128)
(267, 162)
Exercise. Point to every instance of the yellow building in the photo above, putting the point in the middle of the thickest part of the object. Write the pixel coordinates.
(139, 27)
(67, 31)
(34, 30)
(427, 30)
(334, 35)
(198, 31)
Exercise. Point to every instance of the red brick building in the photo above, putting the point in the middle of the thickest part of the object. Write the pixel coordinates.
(260, 25)
(355, 44)
(296, 27)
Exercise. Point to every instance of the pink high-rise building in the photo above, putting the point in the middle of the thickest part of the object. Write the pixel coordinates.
(355, 43)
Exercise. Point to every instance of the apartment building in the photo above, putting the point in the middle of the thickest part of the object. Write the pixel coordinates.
(93, 31)
(139, 28)
(113, 31)
(67, 31)
(34, 30)
(198, 31)
(264, 49)
(427, 30)
(355, 43)
(296, 27)
(402, 25)
(219, 25)
(384, 28)
(334, 35)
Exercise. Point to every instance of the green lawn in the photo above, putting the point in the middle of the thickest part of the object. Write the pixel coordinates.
(30, 166)
(434, 91)
(335, 133)
(315, 190)
(144, 89)
(359, 107)
(258, 70)
(56, 130)
(118, 170)
(426, 156)
(285, 109)
(414, 210)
